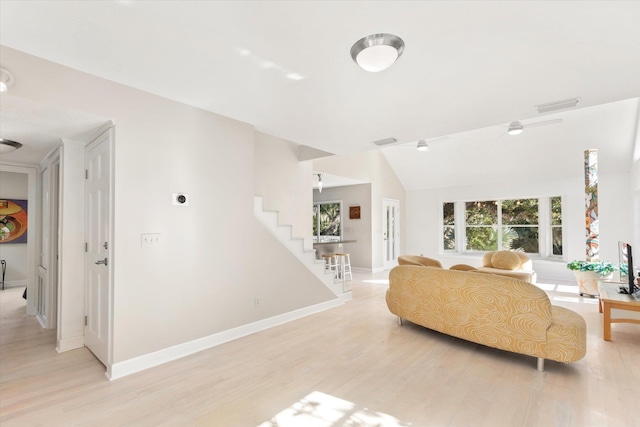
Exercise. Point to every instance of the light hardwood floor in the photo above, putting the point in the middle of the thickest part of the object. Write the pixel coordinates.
(349, 366)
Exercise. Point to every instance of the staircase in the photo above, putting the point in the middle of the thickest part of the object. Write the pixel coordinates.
(295, 245)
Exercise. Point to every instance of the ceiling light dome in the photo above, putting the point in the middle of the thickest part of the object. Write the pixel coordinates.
(7, 146)
(515, 128)
(6, 79)
(377, 52)
(422, 145)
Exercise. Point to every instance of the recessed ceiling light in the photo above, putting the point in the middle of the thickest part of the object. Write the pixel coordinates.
(377, 52)
(294, 76)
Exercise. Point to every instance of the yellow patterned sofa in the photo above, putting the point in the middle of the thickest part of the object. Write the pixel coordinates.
(496, 311)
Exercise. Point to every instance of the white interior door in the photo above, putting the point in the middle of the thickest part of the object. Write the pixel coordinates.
(391, 232)
(98, 265)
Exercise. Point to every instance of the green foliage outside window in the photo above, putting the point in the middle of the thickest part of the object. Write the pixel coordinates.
(504, 224)
(482, 225)
(326, 222)
(449, 230)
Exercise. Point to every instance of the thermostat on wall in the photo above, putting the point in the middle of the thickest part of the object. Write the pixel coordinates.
(180, 199)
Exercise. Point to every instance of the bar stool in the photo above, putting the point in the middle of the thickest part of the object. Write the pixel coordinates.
(344, 265)
(330, 264)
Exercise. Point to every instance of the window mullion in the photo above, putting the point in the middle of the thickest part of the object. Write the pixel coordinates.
(499, 222)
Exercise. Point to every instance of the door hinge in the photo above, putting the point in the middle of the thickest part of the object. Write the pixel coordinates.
(86, 246)
(86, 174)
(85, 320)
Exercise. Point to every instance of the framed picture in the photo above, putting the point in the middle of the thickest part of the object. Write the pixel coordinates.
(354, 212)
(13, 221)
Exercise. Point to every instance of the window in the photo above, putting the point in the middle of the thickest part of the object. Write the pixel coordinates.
(556, 225)
(449, 226)
(481, 226)
(327, 220)
(512, 224)
(519, 225)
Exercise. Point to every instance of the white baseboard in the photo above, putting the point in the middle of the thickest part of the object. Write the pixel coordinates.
(137, 364)
(70, 344)
(15, 283)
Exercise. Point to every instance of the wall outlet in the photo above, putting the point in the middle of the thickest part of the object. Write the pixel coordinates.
(150, 239)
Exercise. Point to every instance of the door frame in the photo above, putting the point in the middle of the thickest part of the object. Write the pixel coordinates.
(50, 230)
(34, 227)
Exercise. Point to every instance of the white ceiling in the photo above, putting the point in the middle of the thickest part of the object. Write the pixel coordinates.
(467, 66)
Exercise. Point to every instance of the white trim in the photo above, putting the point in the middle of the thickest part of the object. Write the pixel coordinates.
(70, 344)
(137, 364)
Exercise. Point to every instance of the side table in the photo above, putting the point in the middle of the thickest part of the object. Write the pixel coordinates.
(610, 298)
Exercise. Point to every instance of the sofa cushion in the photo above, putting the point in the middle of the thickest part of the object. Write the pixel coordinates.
(505, 260)
(486, 259)
(418, 260)
(463, 267)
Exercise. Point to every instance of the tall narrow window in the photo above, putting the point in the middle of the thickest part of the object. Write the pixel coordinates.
(519, 226)
(448, 226)
(327, 221)
(556, 225)
(481, 226)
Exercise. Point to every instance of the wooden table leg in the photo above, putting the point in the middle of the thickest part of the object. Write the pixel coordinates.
(606, 327)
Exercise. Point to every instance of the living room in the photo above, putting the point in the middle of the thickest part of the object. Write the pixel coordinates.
(191, 287)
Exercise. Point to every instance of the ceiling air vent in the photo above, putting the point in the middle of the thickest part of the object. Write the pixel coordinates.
(557, 105)
(386, 141)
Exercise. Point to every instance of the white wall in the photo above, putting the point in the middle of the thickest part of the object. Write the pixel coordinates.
(371, 166)
(14, 185)
(213, 259)
(279, 175)
(615, 212)
(353, 229)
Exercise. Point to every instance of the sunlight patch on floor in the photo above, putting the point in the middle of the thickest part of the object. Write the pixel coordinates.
(377, 282)
(323, 410)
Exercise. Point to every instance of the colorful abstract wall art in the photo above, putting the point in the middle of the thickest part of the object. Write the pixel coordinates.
(591, 204)
(13, 221)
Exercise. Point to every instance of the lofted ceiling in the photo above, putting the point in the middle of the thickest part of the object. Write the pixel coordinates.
(467, 67)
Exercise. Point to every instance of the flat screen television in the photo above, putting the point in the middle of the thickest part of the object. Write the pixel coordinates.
(625, 254)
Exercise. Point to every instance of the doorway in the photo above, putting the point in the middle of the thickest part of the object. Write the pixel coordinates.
(391, 232)
(98, 260)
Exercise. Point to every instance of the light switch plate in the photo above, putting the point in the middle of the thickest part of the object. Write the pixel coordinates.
(150, 239)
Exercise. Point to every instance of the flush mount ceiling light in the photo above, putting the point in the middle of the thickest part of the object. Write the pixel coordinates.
(422, 145)
(6, 79)
(515, 128)
(377, 52)
(7, 146)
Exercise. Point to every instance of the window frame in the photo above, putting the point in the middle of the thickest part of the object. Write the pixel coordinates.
(545, 229)
(316, 237)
